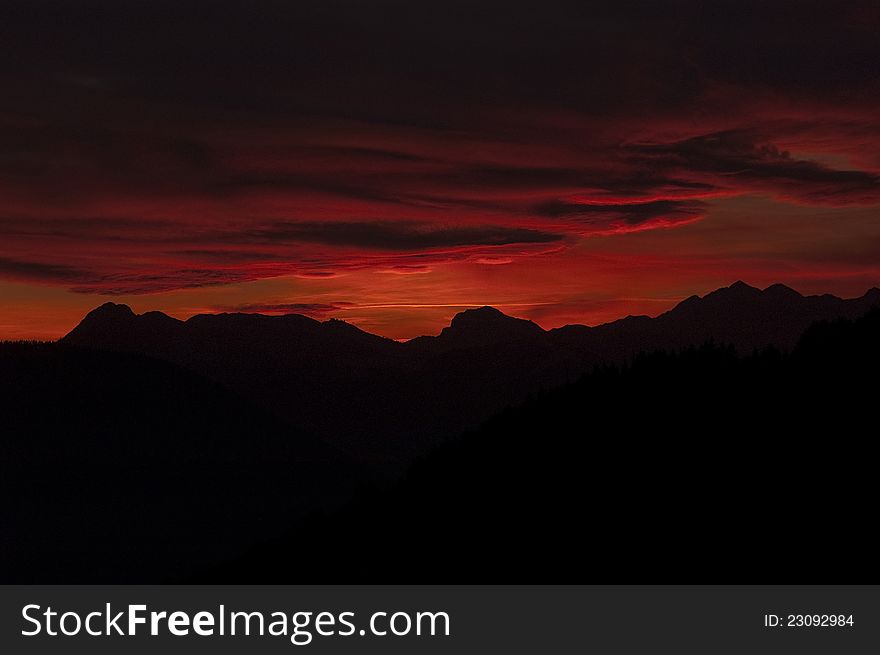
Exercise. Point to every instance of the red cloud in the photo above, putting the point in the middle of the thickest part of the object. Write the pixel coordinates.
(197, 213)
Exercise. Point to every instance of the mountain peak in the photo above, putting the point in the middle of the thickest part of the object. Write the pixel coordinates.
(781, 291)
(111, 312)
(487, 324)
(484, 313)
(741, 287)
(490, 316)
(115, 325)
(738, 295)
(112, 309)
(737, 292)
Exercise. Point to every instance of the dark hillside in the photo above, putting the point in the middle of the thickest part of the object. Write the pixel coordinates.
(694, 465)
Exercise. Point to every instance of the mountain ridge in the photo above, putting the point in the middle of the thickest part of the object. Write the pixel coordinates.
(377, 398)
(472, 317)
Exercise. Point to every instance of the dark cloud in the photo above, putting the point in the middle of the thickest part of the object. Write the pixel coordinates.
(517, 177)
(79, 228)
(40, 271)
(401, 63)
(227, 256)
(631, 213)
(167, 279)
(644, 181)
(743, 161)
(379, 235)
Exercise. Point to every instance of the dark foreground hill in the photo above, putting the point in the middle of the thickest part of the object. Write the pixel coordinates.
(385, 401)
(698, 465)
(119, 468)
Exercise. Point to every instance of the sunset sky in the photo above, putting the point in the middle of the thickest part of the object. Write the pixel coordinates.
(392, 163)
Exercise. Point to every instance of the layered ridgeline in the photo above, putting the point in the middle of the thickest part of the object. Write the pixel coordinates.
(680, 467)
(143, 449)
(384, 401)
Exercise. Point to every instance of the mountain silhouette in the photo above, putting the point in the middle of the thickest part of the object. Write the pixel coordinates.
(384, 401)
(117, 327)
(739, 315)
(473, 328)
(141, 448)
(679, 466)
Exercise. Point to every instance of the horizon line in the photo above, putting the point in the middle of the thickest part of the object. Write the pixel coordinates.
(465, 306)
